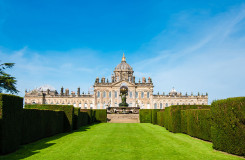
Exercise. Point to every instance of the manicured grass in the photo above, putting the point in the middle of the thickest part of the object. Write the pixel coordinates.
(120, 141)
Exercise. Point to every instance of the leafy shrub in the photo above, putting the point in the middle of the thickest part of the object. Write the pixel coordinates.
(198, 122)
(90, 114)
(100, 115)
(173, 116)
(154, 116)
(183, 122)
(145, 115)
(160, 117)
(10, 133)
(228, 125)
(38, 124)
(68, 109)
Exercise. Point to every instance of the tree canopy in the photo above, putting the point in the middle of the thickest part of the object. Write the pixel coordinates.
(7, 82)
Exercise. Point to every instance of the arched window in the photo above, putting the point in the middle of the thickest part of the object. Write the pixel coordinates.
(104, 106)
(166, 104)
(148, 106)
(155, 106)
(98, 94)
(109, 94)
(148, 94)
(136, 94)
(142, 94)
(104, 94)
(160, 105)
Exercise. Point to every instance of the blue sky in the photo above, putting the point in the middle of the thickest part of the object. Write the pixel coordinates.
(195, 46)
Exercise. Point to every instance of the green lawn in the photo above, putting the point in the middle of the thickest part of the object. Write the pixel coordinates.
(119, 141)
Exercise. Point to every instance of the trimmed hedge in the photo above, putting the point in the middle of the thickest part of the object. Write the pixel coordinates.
(154, 116)
(228, 125)
(10, 132)
(38, 124)
(76, 118)
(90, 112)
(160, 118)
(100, 115)
(198, 123)
(183, 122)
(173, 116)
(145, 115)
(83, 119)
(68, 109)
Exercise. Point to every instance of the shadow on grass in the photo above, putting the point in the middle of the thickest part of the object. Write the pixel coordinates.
(28, 150)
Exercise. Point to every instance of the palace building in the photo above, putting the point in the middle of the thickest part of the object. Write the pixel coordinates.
(106, 93)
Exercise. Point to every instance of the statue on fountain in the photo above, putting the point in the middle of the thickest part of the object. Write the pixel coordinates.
(123, 94)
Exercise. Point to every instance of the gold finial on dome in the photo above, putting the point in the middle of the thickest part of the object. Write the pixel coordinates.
(123, 58)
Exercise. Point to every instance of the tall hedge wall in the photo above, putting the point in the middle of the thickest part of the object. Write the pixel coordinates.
(100, 115)
(90, 112)
(183, 122)
(198, 122)
(68, 109)
(38, 124)
(83, 119)
(11, 108)
(145, 115)
(160, 118)
(228, 125)
(154, 116)
(174, 116)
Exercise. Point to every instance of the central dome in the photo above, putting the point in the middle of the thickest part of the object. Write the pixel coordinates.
(123, 65)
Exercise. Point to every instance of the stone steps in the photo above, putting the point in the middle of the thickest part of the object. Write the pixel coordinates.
(123, 118)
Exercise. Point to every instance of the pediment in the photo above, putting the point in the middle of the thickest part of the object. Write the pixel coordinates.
(118, 84)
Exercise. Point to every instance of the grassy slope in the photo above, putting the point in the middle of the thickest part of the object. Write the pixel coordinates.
(119, 141)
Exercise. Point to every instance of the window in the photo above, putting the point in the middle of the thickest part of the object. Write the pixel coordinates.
(130, 94)
(160, 105)
(148, 94)
(98, 94)
(85, 105)
(98, 106)
(136, 94)
(104, 106)
(177, 103)
(115, 94)
(130, 104)
(109, 94)
(166, 104)
(142, 94)
(104, 94)
(155, 106)
(115, 104)
(148, 106)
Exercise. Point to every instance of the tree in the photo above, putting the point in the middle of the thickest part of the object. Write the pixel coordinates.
(7, 82)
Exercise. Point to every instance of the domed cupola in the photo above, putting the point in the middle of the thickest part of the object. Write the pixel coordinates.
(123, 66)
(123, 71)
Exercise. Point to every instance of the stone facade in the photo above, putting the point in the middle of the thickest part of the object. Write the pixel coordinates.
(107, 94)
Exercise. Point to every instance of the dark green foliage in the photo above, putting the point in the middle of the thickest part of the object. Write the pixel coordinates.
(76, 118)
(90, 113)
(183, 122)
(145, 115)
(7, 82)
(100, 115)
(154, 116)
(228, 125)
(166, 115)
(198, 122)
(38, 124)
(11, 109)
(174, 116)
(68, 109)
(160, 117)
(83, 119)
